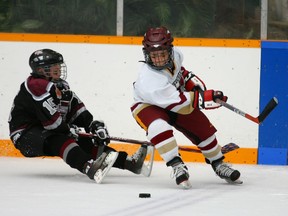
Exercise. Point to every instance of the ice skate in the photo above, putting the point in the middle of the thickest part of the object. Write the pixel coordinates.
(224, 171)
(135, 163)
(180, 172)
(99, 168)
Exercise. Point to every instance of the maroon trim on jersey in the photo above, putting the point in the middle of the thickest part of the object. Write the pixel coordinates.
(19, 129)
(162, 136)
(134, 106)
(64, 147)
(182, 100)
(53, 120)
(37, 86)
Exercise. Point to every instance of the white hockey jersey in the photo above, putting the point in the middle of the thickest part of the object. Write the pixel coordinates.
(162, 87)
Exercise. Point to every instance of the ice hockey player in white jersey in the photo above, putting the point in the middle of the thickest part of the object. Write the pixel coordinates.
(168, 96)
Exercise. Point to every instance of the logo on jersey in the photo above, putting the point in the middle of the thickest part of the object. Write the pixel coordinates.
(176, 82)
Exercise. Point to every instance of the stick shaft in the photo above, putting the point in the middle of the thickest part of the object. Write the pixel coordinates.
(267, 110)
(238, 111)
(225, 149)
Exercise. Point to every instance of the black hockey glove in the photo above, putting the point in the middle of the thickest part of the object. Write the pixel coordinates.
(65, 101)
(66, 95)
(99, 129)
(62, 84)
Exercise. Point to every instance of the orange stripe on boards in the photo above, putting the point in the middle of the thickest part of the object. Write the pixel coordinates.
(217, 42)
(240, 156)
(69, 38)
(97, 39)
(7, 149)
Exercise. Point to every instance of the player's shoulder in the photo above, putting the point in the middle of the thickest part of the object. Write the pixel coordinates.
(38, 86)
(178, 55)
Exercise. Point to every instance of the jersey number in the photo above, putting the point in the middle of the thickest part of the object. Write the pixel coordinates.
(50, 106)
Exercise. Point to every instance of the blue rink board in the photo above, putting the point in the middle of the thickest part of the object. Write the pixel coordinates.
(273, 132)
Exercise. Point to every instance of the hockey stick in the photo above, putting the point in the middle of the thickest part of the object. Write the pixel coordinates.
(267, 110)
(225, 149)
(147, 166)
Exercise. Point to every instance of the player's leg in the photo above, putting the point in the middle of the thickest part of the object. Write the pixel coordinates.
(154, 121)
(200, 131)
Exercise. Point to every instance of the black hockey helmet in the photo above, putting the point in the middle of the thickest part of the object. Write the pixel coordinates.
(158, 38)
(45, 58)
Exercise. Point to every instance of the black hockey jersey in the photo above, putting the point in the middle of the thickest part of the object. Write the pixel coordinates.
(40, 102)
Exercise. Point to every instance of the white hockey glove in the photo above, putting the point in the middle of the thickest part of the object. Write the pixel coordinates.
(191, 82)
(99, 129)
(207, 99)
(74, 130)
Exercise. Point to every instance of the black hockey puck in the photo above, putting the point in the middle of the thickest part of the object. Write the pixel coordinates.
(144, 195)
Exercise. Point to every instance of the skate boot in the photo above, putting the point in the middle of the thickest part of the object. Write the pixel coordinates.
(224, 171)
(135, 162)
(180, 172)
(99, 168)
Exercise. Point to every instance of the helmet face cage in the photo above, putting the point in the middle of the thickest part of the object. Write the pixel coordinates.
(51, 74)
(41, 62)
(158, 39)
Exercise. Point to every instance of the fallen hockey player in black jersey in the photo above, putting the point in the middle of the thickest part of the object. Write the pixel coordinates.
(42, 118)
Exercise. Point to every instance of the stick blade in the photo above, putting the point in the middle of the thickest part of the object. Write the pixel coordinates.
(229, 147)
(225, 149)
(268, 109)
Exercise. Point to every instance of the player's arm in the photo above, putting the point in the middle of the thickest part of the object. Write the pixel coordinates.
(191, 82)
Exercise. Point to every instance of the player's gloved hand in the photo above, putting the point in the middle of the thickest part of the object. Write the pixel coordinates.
(191, 82)
(65, 101)
(66, 95)
(99, 128)
(207, 99)
(61, 84)
(74, 130)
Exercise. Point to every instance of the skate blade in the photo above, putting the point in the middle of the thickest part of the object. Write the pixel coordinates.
(148, 163)
(238, 181)
(186, 184)
(109, 160)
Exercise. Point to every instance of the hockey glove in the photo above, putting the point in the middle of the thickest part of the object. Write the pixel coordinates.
(191, 82)
(66, 95)
(65, 100)
(99, 128)
(74, 130)
(62, 84)
(207, 99)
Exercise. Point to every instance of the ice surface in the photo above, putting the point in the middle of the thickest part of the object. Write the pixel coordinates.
(49, 187)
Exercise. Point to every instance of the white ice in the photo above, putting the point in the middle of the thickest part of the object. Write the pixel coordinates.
(48, 187)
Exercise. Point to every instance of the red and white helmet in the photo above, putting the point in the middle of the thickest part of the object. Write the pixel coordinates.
(158, 38)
